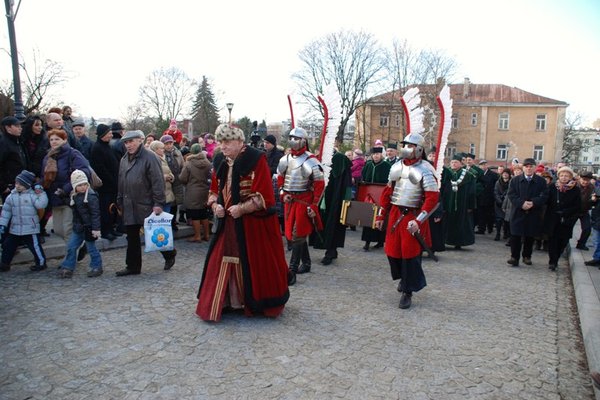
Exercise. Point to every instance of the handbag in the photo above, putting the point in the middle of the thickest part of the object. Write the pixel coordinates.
(96, 182)
(158, 232)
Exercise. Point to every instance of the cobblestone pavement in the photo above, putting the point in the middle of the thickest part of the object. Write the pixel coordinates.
(480, 330)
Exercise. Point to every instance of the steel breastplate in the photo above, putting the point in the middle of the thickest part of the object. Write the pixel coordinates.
(296, 171)
(411, 183)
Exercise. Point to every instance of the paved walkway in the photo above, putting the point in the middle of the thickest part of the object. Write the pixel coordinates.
(480, 330)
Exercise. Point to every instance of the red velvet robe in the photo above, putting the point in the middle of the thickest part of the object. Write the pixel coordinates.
(246, 256)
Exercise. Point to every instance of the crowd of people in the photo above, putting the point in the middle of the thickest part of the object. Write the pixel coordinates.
(51, 170)
(251, 197)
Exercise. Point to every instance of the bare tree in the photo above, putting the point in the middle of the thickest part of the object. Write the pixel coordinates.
(433, 65)
(166, 94)
(41, 77)
(407, 66)
(574, 138)
(352, 60)
(137, 120)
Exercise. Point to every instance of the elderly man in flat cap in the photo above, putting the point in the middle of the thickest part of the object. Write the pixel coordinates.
(141, 191)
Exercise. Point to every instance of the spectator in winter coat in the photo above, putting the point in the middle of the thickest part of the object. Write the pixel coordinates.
(85, 144)
(106, 164)
(358, 163)
(36, 143)
(586, 188)
(13, 156)
(564, 206)
(57, 166)
(20, 210)
(141, 192)
(528, 194)
(174, 132)
(86, 227)
(195, 175)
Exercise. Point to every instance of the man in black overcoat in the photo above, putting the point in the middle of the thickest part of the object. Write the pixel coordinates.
(486, 216)
(528, 194)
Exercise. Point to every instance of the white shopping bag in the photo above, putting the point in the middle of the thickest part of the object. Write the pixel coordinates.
(158, 233)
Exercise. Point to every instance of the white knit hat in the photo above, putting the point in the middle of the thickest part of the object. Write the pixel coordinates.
(78, 177)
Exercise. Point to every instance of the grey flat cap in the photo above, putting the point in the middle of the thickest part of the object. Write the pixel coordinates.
(132, 135)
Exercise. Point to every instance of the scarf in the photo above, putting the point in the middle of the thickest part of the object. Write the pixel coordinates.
(298, 152)
(566, 186)
(51, 169)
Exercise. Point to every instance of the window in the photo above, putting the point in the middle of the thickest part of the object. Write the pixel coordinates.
(501, 152)
(384, 120)
(450, 152)
(397, 120)
(454, 121)
(474, 119)
(596, 159)
(540, 122)
(503, 121)
(584, 158)
(538, 153)
(472, 148)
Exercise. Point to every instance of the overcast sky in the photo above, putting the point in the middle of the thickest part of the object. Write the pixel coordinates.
(249, 49)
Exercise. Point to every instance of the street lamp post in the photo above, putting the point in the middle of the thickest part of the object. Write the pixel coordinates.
(229, 108)
(10, 19)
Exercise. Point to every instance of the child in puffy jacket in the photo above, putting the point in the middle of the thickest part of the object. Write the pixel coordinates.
(20, 210)
(86, 227)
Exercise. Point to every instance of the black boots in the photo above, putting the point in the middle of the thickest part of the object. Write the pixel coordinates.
(294, 262)
(306, 262)
(405, 300)
(299, 253)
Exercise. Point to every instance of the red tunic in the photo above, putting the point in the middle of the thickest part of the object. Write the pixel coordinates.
(295, 214)
(399, 243)
(245, 266)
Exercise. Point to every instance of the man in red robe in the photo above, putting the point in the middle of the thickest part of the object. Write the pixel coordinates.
(411, 195)
(301, 183)
(245, 267)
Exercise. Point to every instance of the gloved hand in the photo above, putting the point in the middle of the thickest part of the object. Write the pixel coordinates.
(2, 229)
(96, 234)
(59, 192)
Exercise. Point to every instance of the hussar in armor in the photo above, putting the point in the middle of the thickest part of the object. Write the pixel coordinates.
(301, 183)
(408, 200)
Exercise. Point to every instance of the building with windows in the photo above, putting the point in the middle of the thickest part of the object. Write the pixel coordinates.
(582, 150)
(495, 122)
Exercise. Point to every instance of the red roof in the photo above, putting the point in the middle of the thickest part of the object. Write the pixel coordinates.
(485, 93)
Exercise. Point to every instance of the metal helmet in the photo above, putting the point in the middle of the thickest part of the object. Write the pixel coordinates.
(299, 133)
(297, 138)
(414, 139)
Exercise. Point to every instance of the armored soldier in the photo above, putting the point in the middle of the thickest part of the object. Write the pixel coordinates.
(409, 198)
(301, 183)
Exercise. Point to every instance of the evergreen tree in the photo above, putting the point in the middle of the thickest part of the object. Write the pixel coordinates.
(205, 114)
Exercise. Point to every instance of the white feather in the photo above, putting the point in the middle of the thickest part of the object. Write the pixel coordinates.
(446, 106)
(333, 100)
(412, 99)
